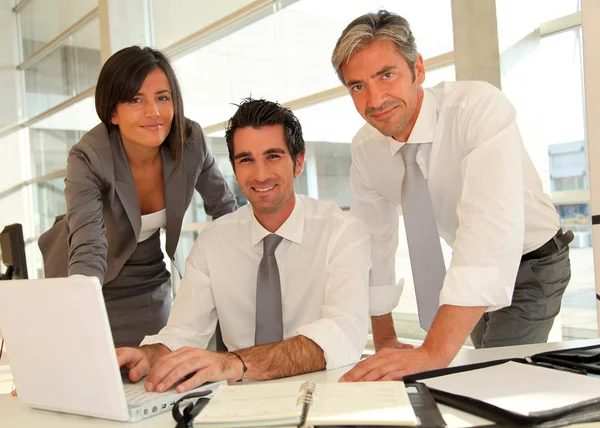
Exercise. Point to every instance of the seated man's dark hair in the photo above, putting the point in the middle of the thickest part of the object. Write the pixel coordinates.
(259, 113)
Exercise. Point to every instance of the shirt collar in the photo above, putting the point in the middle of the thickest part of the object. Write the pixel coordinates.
(292, 229)
(425, 125)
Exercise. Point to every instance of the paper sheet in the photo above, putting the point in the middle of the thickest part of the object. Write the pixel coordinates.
(252, 403)
(372, 403)
(520, 388)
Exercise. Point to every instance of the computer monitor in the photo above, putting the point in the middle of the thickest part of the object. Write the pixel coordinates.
(12, 247)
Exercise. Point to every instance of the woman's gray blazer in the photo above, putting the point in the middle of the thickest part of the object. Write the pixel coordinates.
(103, 221)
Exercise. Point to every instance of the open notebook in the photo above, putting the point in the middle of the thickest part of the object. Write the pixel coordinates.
(306, 403)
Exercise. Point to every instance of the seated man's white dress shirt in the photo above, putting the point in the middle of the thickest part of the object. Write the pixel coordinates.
(323, 261)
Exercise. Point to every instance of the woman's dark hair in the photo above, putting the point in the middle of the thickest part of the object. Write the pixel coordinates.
(121, 78)
(259, 113)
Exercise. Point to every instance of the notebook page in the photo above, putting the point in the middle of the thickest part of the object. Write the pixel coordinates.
(373, 403)
(246, 404)
(520, 388)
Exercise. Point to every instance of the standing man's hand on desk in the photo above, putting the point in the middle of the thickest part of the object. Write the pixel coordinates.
(448, 333)
(393, 343)
(392, 364)
(384, 333)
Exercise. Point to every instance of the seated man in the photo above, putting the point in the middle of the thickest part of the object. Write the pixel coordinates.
(303, 309)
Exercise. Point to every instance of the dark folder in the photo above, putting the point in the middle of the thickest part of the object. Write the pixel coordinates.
(586, 358)
(584, 361)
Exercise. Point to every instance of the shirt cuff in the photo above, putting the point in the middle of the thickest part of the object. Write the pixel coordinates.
(476, 286)
(383, 299)
(174, 341)
(337, 348)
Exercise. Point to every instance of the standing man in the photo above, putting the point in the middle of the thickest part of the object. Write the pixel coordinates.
(286, 275)
(451, 159)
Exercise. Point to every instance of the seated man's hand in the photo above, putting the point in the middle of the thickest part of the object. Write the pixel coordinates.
(13, 392)
(204, 366)
(135, 361)
(394, 364)
(392, 342)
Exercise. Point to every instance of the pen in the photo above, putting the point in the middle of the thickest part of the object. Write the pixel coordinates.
(556, 367)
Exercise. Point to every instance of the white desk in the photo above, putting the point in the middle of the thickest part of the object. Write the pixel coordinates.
(14, 414)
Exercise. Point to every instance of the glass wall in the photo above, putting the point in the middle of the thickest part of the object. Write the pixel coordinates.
(543, 77)
(65, 72)
(49, 148)
(14, 206)
(48, 203)
(517, 18)
(282, 61)
(175, 21)
(49, 142)
(563, 116)
(41, 21)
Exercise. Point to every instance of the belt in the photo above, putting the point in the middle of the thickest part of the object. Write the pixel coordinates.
(555, 244)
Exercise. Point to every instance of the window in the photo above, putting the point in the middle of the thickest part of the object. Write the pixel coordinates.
(567, 183)
(49, 142)
(40, 21)
(545, 84)
(65, 72)
(175, 21)
(48, 203)
(518, 18)
(278, 59)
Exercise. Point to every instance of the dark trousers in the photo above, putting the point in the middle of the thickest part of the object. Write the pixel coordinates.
(536, 300)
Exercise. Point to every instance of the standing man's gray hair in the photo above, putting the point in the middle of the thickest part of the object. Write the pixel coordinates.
(372, 27)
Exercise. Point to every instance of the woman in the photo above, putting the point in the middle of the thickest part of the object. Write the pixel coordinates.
(126, 178)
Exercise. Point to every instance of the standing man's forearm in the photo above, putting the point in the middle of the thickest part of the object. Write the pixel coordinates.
(451, 327)
(455, 322)
(449, 331)
(290, 357)
(383, 329)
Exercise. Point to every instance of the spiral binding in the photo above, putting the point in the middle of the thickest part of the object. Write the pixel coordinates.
(307, 398)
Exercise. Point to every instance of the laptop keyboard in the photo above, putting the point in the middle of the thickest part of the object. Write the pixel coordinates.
(135, 394)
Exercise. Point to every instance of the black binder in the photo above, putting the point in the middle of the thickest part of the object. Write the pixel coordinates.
(582, 360)
(586, 358)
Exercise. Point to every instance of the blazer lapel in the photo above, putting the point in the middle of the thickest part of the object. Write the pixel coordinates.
(124, 184)
(175, 194)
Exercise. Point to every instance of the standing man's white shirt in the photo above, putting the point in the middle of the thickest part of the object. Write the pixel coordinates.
(323, 260)
(480, 181)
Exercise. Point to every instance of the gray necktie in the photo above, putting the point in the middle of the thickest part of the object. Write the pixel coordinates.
(269, 318)
(424, 249)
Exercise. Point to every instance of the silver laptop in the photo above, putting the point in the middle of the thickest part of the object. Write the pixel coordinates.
(62, 354)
